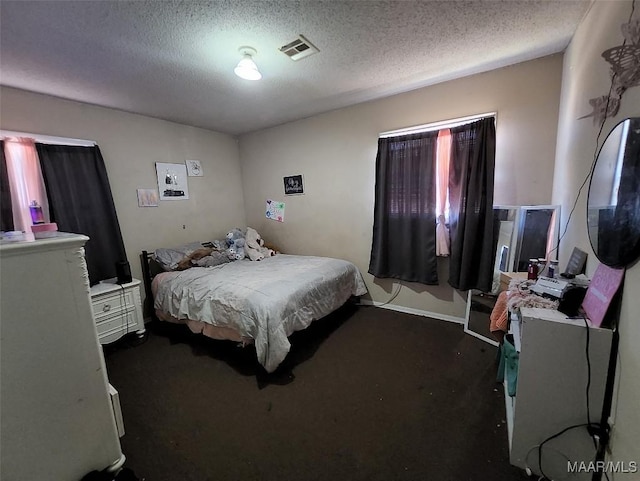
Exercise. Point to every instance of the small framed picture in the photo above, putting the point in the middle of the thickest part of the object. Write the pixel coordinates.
(172, 181)
(147, 198)
(293, 185)
(194, 168)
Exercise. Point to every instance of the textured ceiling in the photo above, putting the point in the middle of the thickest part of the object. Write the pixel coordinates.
(174, 60)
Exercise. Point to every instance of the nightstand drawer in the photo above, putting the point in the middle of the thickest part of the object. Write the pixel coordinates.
(124, 320)
(112, 304)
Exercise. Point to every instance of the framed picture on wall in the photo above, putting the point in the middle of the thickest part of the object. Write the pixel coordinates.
(147, 198)
(172, 181)
(194, 168)
(293, 185)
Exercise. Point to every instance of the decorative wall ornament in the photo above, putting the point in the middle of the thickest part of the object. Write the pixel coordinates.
(625, 73)
(603, 107)
(625, 59)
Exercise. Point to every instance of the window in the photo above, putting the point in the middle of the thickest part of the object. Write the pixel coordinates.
(72, 178)
(410, 175)
(425, 178)
(26, 183)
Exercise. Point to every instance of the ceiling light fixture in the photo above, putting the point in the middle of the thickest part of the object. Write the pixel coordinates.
(247, 68)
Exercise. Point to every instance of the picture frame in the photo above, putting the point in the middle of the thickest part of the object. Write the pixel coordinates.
(147, 198)
(194, 168)
(293, 185)
(172, 181)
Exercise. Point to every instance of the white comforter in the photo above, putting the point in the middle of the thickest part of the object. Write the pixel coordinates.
(266, 300)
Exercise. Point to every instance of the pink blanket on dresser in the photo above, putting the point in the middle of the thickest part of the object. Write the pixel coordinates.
(518, 295)
(499, 314)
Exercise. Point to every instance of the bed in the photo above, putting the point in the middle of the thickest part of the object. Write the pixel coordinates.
(254, 302)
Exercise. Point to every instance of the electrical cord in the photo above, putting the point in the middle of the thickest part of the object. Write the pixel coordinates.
(125, 324)
(550, 438)
(586, 324)
(595, 153)
(537, 446)
(590, 173)
(123, 305)
(589, 425)
(606, 410)
(138, 339)
(393, 296)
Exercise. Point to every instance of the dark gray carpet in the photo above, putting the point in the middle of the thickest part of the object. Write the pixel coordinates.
(365, 394)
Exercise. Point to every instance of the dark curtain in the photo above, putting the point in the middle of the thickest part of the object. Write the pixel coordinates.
(472, 229)
(6, 213)
(80, 201)
(404, 224)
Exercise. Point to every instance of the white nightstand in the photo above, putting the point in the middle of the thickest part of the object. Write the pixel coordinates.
(117, 309)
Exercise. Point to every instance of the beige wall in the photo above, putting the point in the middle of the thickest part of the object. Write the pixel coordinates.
(130, 145)
(336, 154)
(585, 76)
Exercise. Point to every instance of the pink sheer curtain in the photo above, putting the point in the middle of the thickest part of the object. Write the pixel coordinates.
(442, 193)
(25, 180)
(552, 235)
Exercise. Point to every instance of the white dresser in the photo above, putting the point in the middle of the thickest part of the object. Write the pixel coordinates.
(553, 375)
(58, 419)
(117, 309)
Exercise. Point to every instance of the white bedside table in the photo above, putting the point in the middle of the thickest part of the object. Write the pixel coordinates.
(117, 309)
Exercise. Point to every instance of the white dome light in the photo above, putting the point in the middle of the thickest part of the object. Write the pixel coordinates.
(246, 68)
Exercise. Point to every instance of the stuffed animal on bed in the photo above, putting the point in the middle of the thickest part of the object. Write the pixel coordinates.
(190, 260)
(204, 257)
(220, 244)
(239, 248)
(236, 251)
(234, 234)
(255, 246)
(236, 243)
(230, 252)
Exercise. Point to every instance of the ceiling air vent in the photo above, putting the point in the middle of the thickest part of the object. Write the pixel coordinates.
(299, 48)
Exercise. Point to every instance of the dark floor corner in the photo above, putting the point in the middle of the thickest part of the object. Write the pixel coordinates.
(365, 394)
